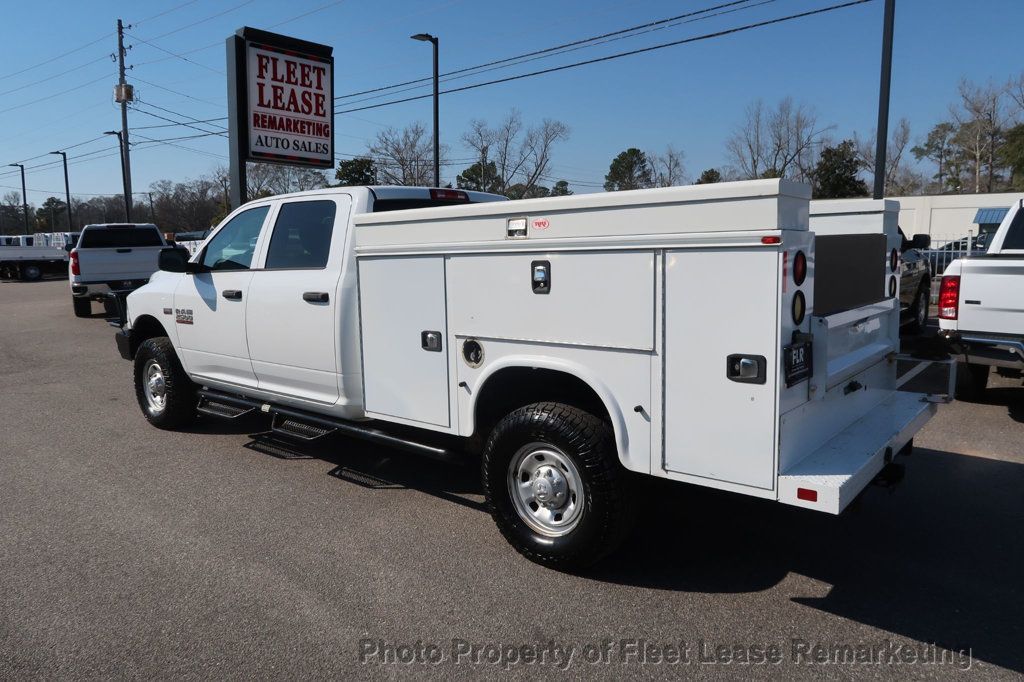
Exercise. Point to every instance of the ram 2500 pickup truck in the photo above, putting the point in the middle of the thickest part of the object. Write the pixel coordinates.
(111, 258)
(981, 307)
(734, 336)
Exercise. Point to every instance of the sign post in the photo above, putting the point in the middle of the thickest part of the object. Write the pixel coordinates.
(280, 103)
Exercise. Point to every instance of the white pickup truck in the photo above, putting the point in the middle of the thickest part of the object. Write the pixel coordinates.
(111, 258)
(699, 334)
(981, 307)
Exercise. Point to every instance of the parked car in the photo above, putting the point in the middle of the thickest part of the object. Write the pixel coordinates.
(112, 257)
(915, 281)
(571, 341)
(981, 307)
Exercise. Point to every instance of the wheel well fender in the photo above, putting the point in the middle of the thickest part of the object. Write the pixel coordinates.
(143, 328)
(512, 382)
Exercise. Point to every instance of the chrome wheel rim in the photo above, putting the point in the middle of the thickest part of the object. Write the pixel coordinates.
(154, 385)
(546, 489)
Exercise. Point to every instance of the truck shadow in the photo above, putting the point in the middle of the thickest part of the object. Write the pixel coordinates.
(1012, 397)
(937, 559)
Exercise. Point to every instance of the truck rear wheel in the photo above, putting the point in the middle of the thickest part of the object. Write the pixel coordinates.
(919, 311)
(82, 306)
(971, 381)
(31, 272)
(165, 393)
(554, 485)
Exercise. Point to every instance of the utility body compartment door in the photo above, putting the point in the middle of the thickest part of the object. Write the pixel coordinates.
(404, 338)
(720, 304)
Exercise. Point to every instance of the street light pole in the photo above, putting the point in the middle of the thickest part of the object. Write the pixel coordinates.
(426, 37)
(124, 177)
(883, 100)
(67, 187)
(24, 197)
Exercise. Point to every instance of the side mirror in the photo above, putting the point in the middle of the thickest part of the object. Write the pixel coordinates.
(69, 247)
(175, 260)
(918, 241)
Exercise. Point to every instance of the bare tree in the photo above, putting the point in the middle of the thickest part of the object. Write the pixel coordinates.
(668, 167)
(780, 142)
(521, 157)
(405, 157)
(899, 180)
(981, 121)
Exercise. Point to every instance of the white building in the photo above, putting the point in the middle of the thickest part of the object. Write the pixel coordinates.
(949, 216)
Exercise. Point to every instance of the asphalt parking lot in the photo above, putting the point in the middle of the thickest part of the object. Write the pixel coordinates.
(130, 552)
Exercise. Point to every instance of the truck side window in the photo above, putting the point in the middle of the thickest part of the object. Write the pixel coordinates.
(302, 235)
(1015, 235)
(234, 245)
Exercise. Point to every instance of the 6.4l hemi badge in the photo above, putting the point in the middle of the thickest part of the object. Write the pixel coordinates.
(183, 315)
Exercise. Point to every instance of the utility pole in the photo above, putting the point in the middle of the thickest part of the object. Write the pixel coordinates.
(124, 94)
(67, 187)
(883, 100)
(24, 197)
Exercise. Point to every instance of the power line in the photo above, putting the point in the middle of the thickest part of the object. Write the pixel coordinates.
(53, 59)
(175, 54)
(167, 11)
(222, 131)
(619, 55)
(56, 94)
(183, 94)
(176, 123)
(660, 25)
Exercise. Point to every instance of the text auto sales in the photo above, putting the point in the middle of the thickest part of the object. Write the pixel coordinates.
(291, 87)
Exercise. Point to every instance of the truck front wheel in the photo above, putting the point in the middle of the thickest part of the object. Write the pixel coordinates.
(554, 485)
(165, 393)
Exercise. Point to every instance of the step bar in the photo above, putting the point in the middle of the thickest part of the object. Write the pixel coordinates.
(347, 428)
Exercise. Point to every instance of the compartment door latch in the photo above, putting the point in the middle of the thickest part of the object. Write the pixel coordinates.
(746, 369)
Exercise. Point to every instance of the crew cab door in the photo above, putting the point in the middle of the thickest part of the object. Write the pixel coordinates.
(293, 311)
(210, 305)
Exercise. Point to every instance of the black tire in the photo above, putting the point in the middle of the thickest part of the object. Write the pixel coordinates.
(971, 381)
(919, 311)
(82, 306)
(31, 272)
(179, 393)
(603, 519)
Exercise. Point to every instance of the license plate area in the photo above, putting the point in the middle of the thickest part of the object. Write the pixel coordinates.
(798, 361)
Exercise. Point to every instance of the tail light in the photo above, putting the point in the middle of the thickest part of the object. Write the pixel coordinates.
(75, 270)
(949, 297)
(449, 195)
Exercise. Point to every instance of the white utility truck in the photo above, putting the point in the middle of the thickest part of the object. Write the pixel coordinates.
(576, 341)
(27, 257)
(110, 258)
(981, 307)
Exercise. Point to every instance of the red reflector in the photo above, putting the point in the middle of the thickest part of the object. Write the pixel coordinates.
(771, 240)
(807, 494)
(75, 270)
(799, 268)
(949, 297)
(448, 195)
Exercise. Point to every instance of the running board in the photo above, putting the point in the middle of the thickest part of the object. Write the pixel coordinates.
(297, 430)
(308, 422)
(215, 408)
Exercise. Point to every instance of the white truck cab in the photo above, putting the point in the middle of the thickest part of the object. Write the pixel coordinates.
(111, 258)
(701, 334)
(981, 307)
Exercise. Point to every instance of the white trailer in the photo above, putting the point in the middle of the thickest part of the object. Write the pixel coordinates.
(687, 333)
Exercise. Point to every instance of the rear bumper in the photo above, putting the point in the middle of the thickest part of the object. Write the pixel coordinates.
(831, 477)
(981, 349)
(98, 290)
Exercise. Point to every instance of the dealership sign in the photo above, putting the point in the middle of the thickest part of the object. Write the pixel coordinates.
(281, 102)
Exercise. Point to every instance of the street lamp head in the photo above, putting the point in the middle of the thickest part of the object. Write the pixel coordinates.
(56, 152)
(425, 37)
(16, 165)
(113, 132)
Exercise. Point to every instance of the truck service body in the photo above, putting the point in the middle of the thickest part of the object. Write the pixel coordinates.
(981, 306)
(29, 256)
(669, 332)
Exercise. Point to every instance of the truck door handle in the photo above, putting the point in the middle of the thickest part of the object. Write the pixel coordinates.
(316, 297)
(124, 250)
(232, 294)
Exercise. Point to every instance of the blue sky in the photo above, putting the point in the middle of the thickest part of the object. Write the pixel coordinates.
(690, 96)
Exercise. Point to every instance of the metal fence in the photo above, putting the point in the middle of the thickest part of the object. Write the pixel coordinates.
(945, 250)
